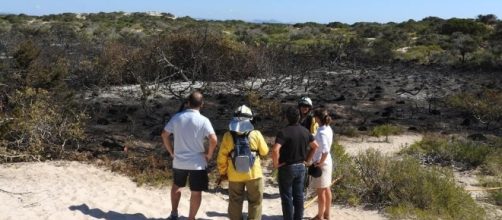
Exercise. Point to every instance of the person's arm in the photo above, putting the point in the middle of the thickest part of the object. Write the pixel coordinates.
(213, 140)
(279, 141)
(167, 142)
(323, 158)
(275, 155)
(324, 145)
(313, 148)
(313, 127)
(262, 145)
(222, 159)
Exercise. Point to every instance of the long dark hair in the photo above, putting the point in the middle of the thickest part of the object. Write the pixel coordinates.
(323, 115)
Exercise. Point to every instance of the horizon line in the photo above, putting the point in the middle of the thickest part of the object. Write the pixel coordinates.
(254, 20)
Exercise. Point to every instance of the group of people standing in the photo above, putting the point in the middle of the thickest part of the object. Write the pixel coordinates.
(304, 142)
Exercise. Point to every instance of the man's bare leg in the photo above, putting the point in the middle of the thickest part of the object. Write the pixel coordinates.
(175, 198)
(195, 199)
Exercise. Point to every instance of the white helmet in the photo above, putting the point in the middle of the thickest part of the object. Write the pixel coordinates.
(243, 111)
(241, 122)
(305, 101)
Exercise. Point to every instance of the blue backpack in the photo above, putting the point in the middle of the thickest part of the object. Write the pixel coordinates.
(242, 155)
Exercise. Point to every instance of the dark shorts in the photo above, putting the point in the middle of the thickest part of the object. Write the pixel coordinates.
(197, 179)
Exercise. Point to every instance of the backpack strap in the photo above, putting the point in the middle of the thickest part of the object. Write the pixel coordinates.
(234, 138)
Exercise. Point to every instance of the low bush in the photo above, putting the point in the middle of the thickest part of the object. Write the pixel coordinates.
(386, 130)
(39, 127)
(492, 164)
(440, 150)
(496, 196)
(428, 193)
(348, 131)
(144, 169)
(403, 188)
(485, 106)
(267, 107)
(421, 54)
(495, 193)
(348, 190)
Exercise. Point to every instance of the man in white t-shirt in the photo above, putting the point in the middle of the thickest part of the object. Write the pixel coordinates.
(189, 128)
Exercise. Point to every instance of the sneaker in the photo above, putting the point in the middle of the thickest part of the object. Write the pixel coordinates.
(172, 217)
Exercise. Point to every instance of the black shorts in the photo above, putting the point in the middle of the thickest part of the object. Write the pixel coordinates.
(197, 179)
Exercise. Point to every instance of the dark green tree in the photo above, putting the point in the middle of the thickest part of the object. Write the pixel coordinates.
(26, 53)
(487, 19)
(463, 44)
(465, 26)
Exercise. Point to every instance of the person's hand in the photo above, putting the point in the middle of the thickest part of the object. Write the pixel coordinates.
(278, 165)
(208, 157)
(170, 155)
(307, 164)
(221, 178)
(317, 164)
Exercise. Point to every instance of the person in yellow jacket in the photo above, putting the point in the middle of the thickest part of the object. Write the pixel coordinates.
(240, 181)
(306, 116)
(307, 120)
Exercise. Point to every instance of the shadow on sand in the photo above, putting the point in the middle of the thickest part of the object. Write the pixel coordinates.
(112, 215)
(224, 191)
(224, 215)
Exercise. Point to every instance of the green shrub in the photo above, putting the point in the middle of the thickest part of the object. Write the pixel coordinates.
(493, 163)
(403, 187)
(440, 150)
(495, 195)
(26, 53)
(471, 153)
(373, 170)
(349, 131)
(429, 193)
(485, 106)
(347, 190)
(421, 54)
(386, 130)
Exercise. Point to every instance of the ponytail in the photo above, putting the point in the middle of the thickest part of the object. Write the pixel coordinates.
(323, 115)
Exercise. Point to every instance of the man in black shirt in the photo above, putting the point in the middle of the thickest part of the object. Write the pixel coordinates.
(289, 154)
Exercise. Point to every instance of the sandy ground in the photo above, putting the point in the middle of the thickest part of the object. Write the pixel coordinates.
(72, 190)
(354, 146)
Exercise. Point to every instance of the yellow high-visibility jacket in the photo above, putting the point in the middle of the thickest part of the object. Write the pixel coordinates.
(313, 127)
(225, 164)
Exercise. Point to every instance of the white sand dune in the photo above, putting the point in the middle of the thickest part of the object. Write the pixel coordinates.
(73, 190)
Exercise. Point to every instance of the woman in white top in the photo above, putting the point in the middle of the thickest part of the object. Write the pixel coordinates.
(322, 159)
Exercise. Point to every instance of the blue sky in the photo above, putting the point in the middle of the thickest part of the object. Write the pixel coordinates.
(321, 11)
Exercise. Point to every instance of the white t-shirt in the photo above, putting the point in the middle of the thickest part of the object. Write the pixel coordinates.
(189, 128)
(324, 138)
